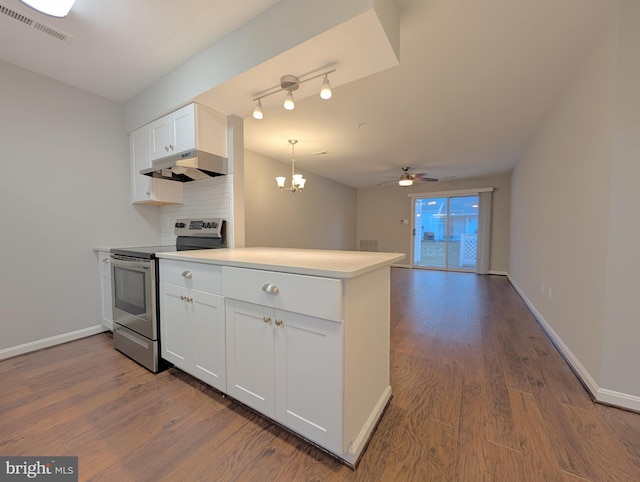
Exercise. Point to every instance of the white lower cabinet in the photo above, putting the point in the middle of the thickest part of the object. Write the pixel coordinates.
(288, 367)
(311, 353)
(106, 308)
(192, 325)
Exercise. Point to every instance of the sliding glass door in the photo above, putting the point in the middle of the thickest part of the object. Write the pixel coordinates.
(445, 234)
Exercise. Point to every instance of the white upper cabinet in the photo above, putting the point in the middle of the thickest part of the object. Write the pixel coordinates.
(193, 126)
(146, 189)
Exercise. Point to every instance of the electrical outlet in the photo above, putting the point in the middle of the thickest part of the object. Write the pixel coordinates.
(549, 292)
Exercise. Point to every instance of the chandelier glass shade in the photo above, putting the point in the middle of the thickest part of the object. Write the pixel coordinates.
(289, 84)
(297, 180)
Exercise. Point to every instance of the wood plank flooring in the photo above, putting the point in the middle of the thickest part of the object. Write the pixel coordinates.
(479, 394)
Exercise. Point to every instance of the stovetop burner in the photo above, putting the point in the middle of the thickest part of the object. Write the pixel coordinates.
(208, 233)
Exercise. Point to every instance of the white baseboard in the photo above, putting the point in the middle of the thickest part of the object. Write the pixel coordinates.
(602, 395)
(47, 342)
(359, 444)
(500, 273)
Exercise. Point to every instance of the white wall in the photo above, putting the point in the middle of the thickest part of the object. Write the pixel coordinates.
(573, 225)
(323, 216)
(64, 188)
(380, 210)
(621, 345)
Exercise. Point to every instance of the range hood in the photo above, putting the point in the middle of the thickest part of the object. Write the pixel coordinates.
(186, 166)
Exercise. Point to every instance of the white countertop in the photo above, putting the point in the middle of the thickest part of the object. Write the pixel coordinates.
(313, 262)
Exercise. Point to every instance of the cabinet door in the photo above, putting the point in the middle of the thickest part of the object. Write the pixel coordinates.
(208, 336)
(250, 369)
(184, 129)
(161, 137)
(140, 159)
(174, 325)
(308, 375)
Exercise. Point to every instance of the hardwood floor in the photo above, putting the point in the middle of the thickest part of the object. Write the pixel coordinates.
(479, 394)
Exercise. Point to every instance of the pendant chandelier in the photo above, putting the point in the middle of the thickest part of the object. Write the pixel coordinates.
(297, 181)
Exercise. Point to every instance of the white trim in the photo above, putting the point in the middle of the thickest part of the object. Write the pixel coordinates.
(357, 446)
(47, 342)
(602, 395)
(500, 273)
(459, 192)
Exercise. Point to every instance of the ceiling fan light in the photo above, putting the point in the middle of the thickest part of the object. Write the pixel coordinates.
(57, 8)
(325, 89)
(289, 104)
(405, 182)
(257, 111)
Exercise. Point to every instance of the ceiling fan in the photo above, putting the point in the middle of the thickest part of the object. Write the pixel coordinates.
(407, 178)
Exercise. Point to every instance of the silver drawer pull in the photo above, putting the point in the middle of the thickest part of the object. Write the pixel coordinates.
(269, 288)
(278, 322)
(187, 274)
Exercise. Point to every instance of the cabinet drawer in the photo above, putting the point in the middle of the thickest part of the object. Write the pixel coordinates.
(204, 277)
(308, 295)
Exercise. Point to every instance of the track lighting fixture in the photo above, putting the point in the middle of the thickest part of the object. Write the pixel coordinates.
(291, 83)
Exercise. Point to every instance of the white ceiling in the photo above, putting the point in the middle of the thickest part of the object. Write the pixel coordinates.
(475, 77)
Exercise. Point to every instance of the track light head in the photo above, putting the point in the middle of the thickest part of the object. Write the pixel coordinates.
(289, 104)
(325, 89)
(257, 111)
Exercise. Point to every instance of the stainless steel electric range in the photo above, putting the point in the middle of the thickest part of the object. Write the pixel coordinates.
(134, 286)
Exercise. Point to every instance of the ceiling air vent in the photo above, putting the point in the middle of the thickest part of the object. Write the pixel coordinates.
(31, 22)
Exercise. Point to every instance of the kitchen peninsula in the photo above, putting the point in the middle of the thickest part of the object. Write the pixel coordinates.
(301, 336)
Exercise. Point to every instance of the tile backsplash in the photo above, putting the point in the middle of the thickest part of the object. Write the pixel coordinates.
(208, 198)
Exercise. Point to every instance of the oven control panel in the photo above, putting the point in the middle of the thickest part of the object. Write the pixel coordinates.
(210, 227)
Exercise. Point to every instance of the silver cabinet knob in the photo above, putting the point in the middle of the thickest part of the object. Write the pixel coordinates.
(266, 319)
(272, 289)
(278, 322)
(187, 274)
(105, 260)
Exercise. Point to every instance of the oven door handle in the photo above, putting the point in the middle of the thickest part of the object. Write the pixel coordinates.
(116, 262)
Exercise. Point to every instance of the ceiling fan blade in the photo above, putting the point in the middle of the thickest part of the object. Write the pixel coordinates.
(387, 182)
(423, 177)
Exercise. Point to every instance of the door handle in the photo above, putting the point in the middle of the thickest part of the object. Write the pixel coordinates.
(187, 274)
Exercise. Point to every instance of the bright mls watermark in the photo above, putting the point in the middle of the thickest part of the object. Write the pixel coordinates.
(50, 469)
